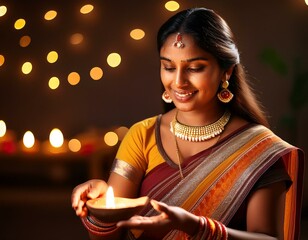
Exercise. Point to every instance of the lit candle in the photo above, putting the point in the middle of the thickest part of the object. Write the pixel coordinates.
(110, 203)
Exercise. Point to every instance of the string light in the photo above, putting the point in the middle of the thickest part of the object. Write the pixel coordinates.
(73, 78)
(19, 24)
(26, 67)
(2, 128)
(2, 60)
(137, 34)
(3, 10)
(96, 73)
(50, 15)
(114, 59)
(172, 6)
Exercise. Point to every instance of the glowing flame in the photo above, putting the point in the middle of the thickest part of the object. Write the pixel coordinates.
(56, 138)
(28, 139)
(110, 198)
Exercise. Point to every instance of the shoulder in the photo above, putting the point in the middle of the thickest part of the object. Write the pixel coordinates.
(145, 123)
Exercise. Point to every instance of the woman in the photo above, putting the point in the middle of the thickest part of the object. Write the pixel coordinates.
(211, 166)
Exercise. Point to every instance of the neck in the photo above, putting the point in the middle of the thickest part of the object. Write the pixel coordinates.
(200, 118)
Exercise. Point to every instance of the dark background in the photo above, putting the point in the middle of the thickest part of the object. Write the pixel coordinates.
(35, 189)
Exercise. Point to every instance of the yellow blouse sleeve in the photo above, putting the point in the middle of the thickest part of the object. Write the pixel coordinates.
(132, 158)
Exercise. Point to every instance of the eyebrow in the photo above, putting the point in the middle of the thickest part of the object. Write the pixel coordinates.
(186, 60)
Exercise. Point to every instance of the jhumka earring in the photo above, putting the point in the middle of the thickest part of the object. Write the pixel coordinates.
(225, 95)
(166, 97)
(178, 41)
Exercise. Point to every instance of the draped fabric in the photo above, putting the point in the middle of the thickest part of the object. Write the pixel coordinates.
(218, 180)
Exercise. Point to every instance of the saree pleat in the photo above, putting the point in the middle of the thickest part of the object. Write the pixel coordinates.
(217, 182)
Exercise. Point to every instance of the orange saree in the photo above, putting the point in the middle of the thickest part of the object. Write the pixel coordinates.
(218, 180)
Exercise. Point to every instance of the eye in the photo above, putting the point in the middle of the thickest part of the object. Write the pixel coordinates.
(195, 69)
(168, 69)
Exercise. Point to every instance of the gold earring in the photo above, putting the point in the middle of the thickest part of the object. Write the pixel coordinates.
(166, 97)
(225, 95)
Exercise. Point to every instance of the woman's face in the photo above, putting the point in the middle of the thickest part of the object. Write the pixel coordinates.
(190, 75)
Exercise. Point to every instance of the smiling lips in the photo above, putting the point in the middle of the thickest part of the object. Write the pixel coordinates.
(183, 96)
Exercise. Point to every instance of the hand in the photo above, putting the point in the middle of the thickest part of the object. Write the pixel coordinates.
(88, 190)
(170, 218)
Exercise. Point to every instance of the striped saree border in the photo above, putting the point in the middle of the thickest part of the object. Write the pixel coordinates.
(231, 174)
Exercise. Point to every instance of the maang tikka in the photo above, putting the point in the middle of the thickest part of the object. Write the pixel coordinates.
(178, 41)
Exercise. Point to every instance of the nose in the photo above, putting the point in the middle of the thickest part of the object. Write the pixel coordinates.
(180, 79)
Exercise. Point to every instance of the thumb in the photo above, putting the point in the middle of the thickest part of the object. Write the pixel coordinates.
(160, 206)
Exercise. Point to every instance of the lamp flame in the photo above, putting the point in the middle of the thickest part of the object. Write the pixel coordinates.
(110, 198)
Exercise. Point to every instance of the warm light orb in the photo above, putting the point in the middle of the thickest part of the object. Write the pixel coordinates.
(2, 128)
(86, 9)
(26, 67)
(111, 139)
(306, 1)
(114, 59)
(3, 10)
(74, 145)
(172, 6)
(50, 15)
(137, 34)
(28, 139)
(76, 38)
(52, 56)
(110, 203)
(121, 132)
(73, 78)
(25, 41)
(56, 138)
(53, 83)
(96, 73)
(2, 60)
(19, 24)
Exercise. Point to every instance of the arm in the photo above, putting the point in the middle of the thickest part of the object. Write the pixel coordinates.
(265, 214)
(265, 217)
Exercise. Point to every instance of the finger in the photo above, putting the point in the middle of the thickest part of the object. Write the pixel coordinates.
(80, 208)
(77, 193)
(96, 189)
(136, 222)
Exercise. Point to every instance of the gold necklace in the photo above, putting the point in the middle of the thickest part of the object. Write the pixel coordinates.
(178, 153)
(199, 133)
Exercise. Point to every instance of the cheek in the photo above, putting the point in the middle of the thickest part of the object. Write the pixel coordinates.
(165, 79)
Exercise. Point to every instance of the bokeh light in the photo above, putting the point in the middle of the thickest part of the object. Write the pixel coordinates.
(137, 34)
(114, 59)
(52, 56)
(53, 83)
(26, 67)
(25, 41)
(86, 9)
(19, 24)
(56, 138)
(28, 139)
(121, 132)
(2, 60)
(74, 145)
(2, 128)
(76, 38)
(111, 139)
(172, 6)
(3, 10)
(96, 73)
(50, 15)
(73, 78)
(306, 1)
